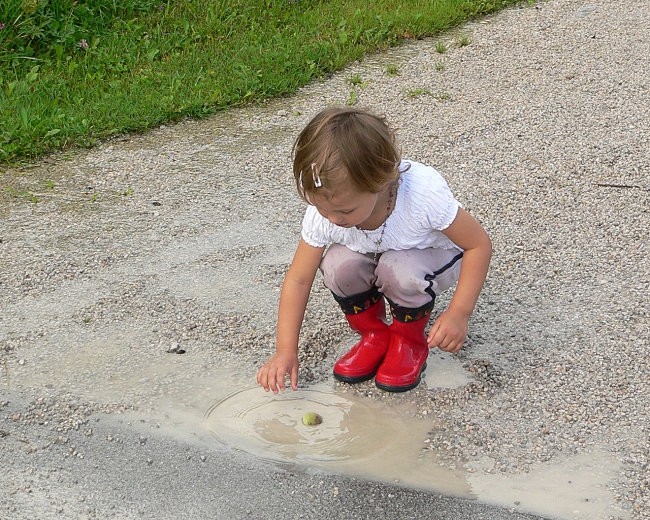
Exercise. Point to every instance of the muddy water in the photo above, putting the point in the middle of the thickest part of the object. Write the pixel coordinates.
(384, 441)
(357, 436)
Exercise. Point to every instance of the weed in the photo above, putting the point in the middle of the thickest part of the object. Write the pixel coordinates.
(356, 80)
(441, 47)
(440, 66)
(392, 70)
(357, 83)
(417, 92)
(442, 96)
(22, 194)
(463, 40)
(48, 184)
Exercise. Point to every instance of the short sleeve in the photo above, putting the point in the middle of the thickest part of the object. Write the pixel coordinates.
(313, 228)
(432, 200)
(443, 208)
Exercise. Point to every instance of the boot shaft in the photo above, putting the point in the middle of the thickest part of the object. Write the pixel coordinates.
(410, 323)
(364, 312)
(407, 352)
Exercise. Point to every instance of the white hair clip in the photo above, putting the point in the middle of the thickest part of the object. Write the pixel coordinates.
(315, 176)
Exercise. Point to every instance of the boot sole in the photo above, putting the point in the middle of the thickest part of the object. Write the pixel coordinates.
(405, 388)
(353, 380)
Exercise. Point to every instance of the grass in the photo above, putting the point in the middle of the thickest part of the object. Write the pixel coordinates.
(392, 70)
(72, 73)
(463, 40)
(356, 80)
(25, 195)
(418, 92)
(423, 91)
(353, 97)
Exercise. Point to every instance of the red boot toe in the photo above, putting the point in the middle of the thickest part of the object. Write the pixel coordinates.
(361, 362)
(406, 358)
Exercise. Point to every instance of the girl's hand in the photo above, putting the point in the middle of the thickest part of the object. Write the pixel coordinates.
(271, 375)
(449, 332)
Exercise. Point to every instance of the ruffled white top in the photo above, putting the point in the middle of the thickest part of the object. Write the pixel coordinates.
(424, 207)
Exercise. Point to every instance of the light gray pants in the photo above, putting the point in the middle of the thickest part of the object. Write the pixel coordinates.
(410, 278)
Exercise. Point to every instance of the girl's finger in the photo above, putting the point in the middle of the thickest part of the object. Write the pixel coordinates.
(432, 333)
(271, 382)
(440, 339)
(294, 378)
(280, 379)
(262, 379)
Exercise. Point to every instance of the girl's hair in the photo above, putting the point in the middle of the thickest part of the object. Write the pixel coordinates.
(342, 143)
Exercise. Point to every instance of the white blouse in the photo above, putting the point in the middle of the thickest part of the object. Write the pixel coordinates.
(423, 208)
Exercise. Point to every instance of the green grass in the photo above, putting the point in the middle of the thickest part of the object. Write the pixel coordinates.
(75, 72)
(356, 80)
(392, 70)
(418, 92)
(463, 40)
(441, 47)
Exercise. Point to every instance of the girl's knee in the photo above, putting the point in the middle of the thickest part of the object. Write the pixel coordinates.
(346, 272)
(413, 277)
(397, 275)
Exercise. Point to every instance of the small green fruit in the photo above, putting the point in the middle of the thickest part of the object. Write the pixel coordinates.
(311, 419)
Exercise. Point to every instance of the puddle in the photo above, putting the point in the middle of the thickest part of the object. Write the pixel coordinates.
(383, 441)
(358, 436)
(445, 371)
(578, 485)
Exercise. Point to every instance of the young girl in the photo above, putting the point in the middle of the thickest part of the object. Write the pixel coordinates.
(395, 234)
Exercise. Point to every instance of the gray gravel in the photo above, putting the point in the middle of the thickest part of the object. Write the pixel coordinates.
(178, 239)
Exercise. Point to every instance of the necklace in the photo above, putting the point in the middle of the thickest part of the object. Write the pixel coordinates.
(378, 242)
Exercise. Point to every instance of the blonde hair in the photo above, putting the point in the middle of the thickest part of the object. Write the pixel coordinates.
(342, 143)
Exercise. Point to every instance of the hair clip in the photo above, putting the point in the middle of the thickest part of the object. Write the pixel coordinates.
(315, 176)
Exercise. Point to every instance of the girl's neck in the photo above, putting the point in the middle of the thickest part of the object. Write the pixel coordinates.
(383, 208)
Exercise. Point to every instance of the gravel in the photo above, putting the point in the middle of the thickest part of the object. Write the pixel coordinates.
(178, 239)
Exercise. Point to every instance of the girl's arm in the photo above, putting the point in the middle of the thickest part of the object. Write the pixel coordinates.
(450, 329)
(291, 311)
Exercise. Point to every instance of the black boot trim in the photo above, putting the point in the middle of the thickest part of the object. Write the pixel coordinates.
(404, 314)
(358, 303)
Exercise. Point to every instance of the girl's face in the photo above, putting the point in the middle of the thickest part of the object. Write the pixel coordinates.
(347, 208)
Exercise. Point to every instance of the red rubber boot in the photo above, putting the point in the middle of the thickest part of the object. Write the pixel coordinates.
(406, 358)
(362, 360)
